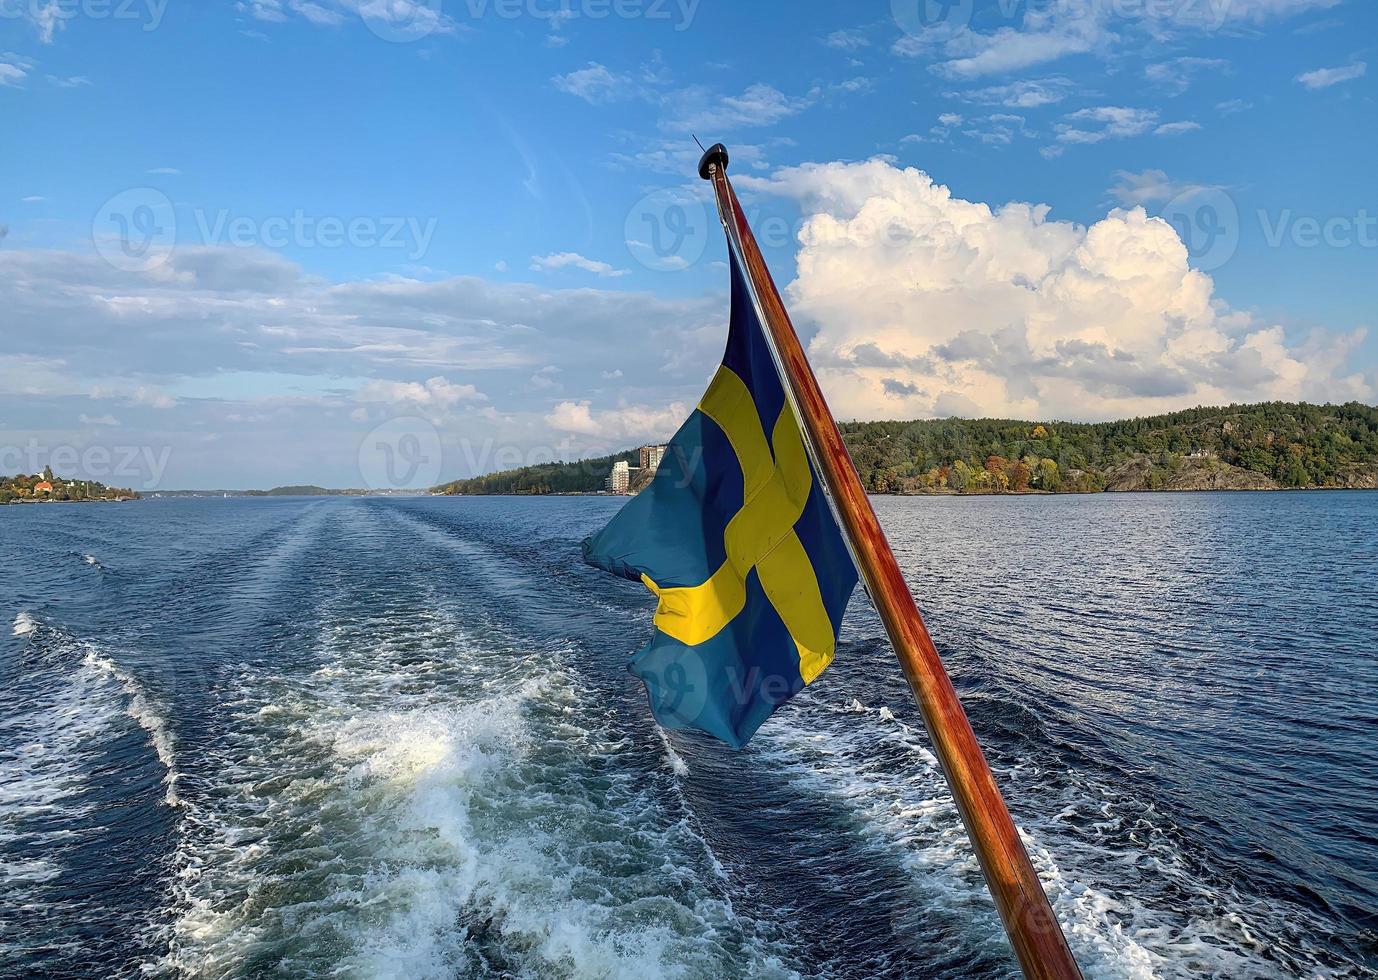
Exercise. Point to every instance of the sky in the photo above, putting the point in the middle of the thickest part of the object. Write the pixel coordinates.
(388, 243)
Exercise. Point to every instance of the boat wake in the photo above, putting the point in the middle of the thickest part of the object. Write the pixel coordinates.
(1130, 902)
(57, 770)
(434, 800)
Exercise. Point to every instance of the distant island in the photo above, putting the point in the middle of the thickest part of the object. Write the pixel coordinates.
(1268, 446)
(292, 491)
(42, 488)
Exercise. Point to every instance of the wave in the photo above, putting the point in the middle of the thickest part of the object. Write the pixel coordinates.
(435, 800)
(24, 624)
(1172, 923)
(147, 715)
(65, 712)
(82, 705)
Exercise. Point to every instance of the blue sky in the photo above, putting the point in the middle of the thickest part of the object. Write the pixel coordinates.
(262, 242)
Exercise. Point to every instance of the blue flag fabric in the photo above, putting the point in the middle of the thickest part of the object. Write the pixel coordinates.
(735, 538)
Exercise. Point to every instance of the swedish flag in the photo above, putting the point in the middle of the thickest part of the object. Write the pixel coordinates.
(736, 539)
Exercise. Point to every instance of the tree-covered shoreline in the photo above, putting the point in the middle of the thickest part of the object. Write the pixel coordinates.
(23, 488)
(1272, 445)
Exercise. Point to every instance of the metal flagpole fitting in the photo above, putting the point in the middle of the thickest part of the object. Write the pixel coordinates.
(715, 154)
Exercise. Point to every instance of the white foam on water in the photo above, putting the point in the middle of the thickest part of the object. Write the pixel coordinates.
(24, 624)
(140, 707)
(435, 801)
(50, 750)
(912, 816)
(673, 759)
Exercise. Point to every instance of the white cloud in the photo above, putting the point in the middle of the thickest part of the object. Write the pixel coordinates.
(32, 199)
(1092, 125)
(47, 17)
(165, 172)
(1177, 75)
(152, 397)
(628, 423)
(696, 109)
(438, 393)
(545, 377)
(1326, 77)
(922, 303)
(1047, 32)
(411, 18)
(596, 84)
(85, 419)
(573, 260)
(225, 332)
(1026, 94)
(847, 40)
(1177, 128)
(13, 69)
(1150, 186)
(317, 14)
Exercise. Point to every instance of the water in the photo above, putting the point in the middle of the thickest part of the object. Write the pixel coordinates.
(396, 738)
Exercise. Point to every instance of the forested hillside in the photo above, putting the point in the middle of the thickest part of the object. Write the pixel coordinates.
(584, 476)
(1274, 444)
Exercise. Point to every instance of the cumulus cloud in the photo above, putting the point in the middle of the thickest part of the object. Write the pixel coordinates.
(1326, 77)
(922, 303)
(629, 423)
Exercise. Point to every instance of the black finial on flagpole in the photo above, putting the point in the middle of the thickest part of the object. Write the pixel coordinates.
(717, 153)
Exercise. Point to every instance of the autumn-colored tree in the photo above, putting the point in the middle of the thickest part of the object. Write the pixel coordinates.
(1048, 476)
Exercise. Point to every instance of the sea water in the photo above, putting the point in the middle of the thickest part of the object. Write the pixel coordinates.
(396, 738)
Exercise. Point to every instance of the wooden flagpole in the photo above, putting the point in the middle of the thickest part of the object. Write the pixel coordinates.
(1029, 921)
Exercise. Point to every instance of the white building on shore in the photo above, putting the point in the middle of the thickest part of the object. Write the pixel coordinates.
(620, 479)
